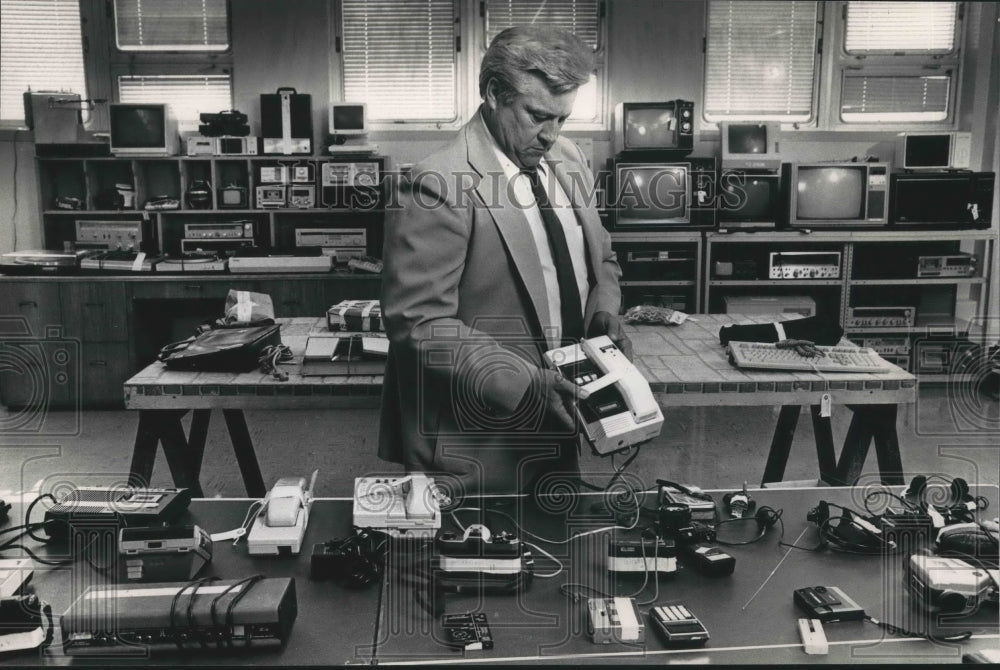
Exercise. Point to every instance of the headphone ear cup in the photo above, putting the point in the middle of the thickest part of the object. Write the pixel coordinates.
(959, 490)
(764, 518)
(916, 488)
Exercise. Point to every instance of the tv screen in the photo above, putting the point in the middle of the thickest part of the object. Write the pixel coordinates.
(650, 127)
(747, 139)
(831, 192)
(748, 198)
(653, 193)
(138, 126)
(941, 200)
(927, 151)
(347, 118)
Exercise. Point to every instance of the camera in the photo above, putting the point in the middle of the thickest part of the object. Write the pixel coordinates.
(38, 374)
(947, 585)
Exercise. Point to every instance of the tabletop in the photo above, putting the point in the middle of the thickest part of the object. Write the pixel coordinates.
(684, 364)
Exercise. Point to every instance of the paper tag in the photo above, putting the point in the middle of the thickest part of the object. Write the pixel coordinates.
(137, 263)
(244, 306)
(781, 331)
(233, 534)
(677, 317)
(826, 406)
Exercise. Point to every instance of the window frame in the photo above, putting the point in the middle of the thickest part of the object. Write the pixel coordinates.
(193, 49)
(818, 78)
(462, 37)
(887, 64)
(168, 70)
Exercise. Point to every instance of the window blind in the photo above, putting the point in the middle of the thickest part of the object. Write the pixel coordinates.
(399, 57)
(895, 97)
(909, 27)
(41, 49)
(760, 60)
(580, 17)
(188, 95)
(172, 25)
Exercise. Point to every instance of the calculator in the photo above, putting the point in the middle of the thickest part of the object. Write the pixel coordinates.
(677, 626)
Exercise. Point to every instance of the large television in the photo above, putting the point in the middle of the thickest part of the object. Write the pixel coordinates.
(751, 146)
(143, 129)
(647, 127)
(661, 195)
(749, 200)
(836, 194)
(942, 200)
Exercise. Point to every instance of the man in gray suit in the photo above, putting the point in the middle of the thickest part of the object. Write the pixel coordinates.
(495, 254)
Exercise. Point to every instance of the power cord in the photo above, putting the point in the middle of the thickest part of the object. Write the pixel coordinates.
(272, 356)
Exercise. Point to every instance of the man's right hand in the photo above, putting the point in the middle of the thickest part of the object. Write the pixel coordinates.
(560, 397)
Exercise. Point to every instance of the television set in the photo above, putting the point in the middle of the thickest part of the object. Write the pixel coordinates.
(933, 151)
(751, 146)
(348, 118)
(665, 127)
(660, 195)
(836, 194)
(143, 129)
(748, 200)
(941, 200)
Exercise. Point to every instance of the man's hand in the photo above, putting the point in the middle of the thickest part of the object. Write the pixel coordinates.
(805, 348)
(559, 396)
(605, 323)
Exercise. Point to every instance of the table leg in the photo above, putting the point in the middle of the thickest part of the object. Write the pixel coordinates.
(855, 451)
(781, 444)
(245, 456)
(826, 454)
(147, 437)
(197, 438)
(164, 426)
(890, 463)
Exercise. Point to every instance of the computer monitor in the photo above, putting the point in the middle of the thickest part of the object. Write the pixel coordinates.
(836, 195)
(933, 151)
(666, 127)
(751, 146)
(348, 118)
(143, 129)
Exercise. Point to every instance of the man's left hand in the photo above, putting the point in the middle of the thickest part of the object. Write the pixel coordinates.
(606, 323)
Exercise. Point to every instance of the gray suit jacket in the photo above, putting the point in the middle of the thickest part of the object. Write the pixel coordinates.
(463, 301)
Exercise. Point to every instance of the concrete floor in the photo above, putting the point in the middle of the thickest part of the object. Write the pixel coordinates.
(948, 431)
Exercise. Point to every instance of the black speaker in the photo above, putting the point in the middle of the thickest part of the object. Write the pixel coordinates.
(286, 122)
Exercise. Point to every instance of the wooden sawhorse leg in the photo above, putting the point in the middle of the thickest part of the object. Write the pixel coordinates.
(183, 456)
(781, 445)
(871, 422)
(239, 434)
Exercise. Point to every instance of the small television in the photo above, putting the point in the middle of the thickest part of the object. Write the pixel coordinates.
(348, 118)
(659, 195)
(941, 200)
(143, 129)
(666, 127)
(836, 194)
(751, 146)
(748, 200)
(933, 151)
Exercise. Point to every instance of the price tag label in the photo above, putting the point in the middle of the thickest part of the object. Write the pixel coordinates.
(826, 406)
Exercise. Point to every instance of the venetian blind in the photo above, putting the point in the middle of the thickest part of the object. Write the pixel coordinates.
(910, 27)
(172, 25)
(188, 95)
(895, 97)
(760, 60)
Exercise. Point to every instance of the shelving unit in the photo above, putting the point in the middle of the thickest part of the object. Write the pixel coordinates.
(660, 269)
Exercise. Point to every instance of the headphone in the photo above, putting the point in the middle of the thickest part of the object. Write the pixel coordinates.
(960, 504)
(850, 532)
(355, 561)
(765, 517)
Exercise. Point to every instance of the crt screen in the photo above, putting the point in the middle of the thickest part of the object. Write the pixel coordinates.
(649, 128)
(653, 192)
(748, 198)
(137, 127)
(942, 201)
(927, 150)
(747, 139)
(831, 193)
(348, 117)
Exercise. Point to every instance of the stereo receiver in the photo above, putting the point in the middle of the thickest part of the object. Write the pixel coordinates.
(804, 265)
(880, 317)
(110, 234)
(886, 346)
(947, 265)
(222, 146)
(229, 230)
(338, 242)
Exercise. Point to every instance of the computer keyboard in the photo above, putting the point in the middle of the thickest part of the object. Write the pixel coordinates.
(764, 356)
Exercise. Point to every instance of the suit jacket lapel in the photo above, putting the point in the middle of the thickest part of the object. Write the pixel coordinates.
(509, 218)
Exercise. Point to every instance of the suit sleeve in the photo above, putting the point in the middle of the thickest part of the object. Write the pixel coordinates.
(426, 240)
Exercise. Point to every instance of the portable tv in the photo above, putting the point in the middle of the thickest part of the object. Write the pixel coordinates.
(348, 118)
(143, 129)
(751, 146)
(942, 200)
(748, 200)
(836, 194)
(933, 151)
(660, 195)
(666, 127)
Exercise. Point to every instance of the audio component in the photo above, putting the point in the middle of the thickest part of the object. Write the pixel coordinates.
(642, 556)
(883, 346)
(280, 264)
(269, 197)
(239, 612)
(341, 243)
(947, 356)
(677, 626)
(216, 246)
(880, 317)
(109, 234)
(467, 632)
(222, 146)
(950, 265)
(804, 265)
(304, 173)
(235, 229)
(193, 262)
(273, 174)
(91, 505)
(286, 122)
(614, 620)
(770, 304)
(163, 553)
(827, 603)
(901, 360)
(658, 264)
(400, 506)
(200, 146)
(348, 184)
(126, 260)
(302, 196)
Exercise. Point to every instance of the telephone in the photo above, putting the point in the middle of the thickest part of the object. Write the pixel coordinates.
(409, 505)
(281, 523)
(616, 407)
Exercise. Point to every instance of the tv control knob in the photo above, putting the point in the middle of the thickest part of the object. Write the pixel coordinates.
(686, 126)
(685, 113)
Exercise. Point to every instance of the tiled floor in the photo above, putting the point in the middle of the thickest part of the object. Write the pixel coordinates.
(952, 432)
